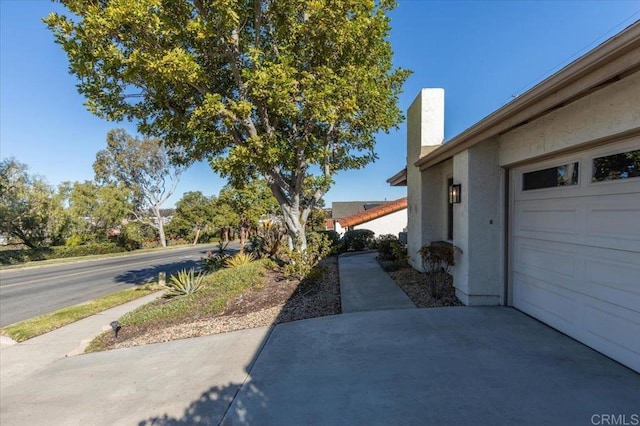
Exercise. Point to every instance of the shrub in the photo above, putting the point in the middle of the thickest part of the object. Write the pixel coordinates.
(84, 250)
(386, 244)
(300, 262)
(333, 236)
(136, 235)
(269, 264)
(391, 249)
(74, 240)
(184, 283)
(12, 257)
(177, 241)
(268, 242)
(437, 260)
(358, 239)
(213, 261)
(239, 260)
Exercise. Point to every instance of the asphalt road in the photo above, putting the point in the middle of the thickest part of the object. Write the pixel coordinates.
(33, 291)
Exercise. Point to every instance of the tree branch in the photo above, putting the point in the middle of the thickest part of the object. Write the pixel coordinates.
(278, 186)
(233, 54)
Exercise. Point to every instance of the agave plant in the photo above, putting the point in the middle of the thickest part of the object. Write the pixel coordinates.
(184, 283)
(240, 259)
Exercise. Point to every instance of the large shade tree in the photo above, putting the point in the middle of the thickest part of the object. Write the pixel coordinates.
(142, 166)
(194, 213)
(30, 210)
(292, 90)
(98, 209)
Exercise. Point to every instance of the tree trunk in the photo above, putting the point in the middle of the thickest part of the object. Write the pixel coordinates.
(295, 212)
(159, 225)
(17, 232)
(297, 238)
(163, 239)
(195, 240)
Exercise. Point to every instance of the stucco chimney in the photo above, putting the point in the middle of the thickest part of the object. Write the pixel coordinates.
(425, 123)
(425, 132)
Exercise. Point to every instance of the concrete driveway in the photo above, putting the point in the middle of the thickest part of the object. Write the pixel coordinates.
(490, 365)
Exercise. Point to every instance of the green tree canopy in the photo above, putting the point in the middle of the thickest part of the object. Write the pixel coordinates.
(30, 210)
(194, 213)
(250, 202)
(291, 90)
(99, 208)
(143, 166)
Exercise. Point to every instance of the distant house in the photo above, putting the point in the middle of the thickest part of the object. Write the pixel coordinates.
(543, 198)
(381, 217)
(329, 225)
(342, 209)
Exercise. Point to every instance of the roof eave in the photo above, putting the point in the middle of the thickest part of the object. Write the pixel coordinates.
(399, 179)
(612, 58)
(375, 213)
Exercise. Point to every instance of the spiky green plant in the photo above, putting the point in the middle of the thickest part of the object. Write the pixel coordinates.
(184, 283)
(239, 259)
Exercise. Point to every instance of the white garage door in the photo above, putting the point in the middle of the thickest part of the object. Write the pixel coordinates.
(576, 246)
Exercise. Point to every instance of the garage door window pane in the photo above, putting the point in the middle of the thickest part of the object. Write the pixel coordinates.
(619, 166)
(564, 175)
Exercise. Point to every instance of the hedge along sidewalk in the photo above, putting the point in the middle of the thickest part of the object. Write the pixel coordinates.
(42, 324)
(93, 257)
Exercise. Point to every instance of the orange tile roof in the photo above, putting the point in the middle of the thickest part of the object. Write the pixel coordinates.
(329, 224)
(374, 213)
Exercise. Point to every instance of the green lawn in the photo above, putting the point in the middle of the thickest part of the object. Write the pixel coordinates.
(33, 327)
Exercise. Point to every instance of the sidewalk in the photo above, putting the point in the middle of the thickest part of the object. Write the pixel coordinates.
(364, 286)
(18, 360)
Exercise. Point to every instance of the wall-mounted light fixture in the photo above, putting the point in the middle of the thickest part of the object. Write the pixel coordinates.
(454, 193)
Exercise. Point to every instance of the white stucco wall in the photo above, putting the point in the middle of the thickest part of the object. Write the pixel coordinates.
(425, 128)
(393, 223)
(434, 202)
(609, 111)
(480, 218)
(478, 225)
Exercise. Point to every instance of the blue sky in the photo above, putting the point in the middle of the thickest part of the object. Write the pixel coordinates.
(482, 53)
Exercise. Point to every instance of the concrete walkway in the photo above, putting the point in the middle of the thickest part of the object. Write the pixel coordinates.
(20, 359)
(480, 366)
(364, 286)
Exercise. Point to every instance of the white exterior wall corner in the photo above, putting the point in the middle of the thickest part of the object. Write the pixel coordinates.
(609, 111)
(393, 223)
(478, 225)
(434, 202)
(460, 271)
(425, 127)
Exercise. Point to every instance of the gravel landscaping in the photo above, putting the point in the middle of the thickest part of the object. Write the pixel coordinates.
(278, 300)
(416, 286)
